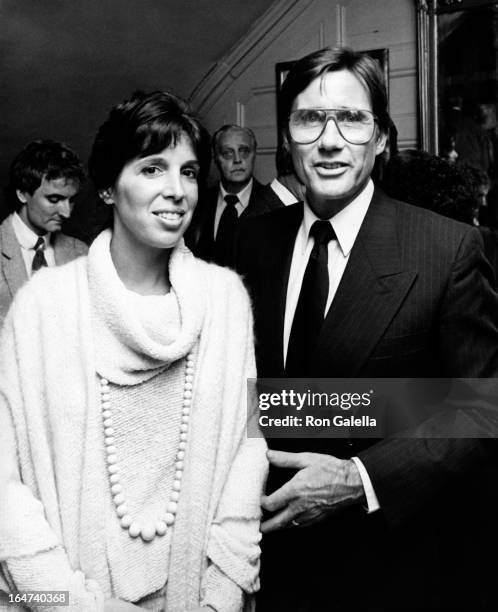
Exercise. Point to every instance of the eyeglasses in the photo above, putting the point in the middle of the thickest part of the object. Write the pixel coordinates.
(356, 126)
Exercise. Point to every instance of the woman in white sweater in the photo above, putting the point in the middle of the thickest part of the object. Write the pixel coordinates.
(127, 476)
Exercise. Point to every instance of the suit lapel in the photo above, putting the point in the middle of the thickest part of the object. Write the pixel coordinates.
(278, 259)
(203, 224)
(256, 204)
(370, 293)
(210, 217)
(12, 261)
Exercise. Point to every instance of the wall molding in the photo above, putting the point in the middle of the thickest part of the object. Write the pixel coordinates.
(403, 115)
(256, 92)
(407, 143)
(264, 90)
(241, 87)
(279, 17)
(340, 17)
(267, 150)
(398, 73)
(241, 114)
(321, 34)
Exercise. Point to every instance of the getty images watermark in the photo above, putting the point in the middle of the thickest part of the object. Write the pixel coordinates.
(314, 399)
(373, 408)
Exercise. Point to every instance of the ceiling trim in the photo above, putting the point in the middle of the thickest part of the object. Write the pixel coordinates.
(275, 20)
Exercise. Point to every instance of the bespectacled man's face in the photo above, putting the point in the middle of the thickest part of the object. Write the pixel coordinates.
(235, 156)
(333, 170)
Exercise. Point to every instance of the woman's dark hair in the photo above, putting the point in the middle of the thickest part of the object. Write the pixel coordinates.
(141, 126)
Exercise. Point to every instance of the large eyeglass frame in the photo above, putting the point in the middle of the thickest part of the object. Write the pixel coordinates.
(328, 117)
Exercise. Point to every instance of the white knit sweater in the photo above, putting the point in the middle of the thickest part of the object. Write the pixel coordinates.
(53, 527)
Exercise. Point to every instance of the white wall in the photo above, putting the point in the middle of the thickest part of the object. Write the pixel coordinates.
(241, 87)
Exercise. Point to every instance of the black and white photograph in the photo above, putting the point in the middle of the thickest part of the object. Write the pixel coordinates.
(248, 305)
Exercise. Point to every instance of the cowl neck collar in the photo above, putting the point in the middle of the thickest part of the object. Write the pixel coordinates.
(131, 346)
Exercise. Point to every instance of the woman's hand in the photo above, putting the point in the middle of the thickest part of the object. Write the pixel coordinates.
(118, 605)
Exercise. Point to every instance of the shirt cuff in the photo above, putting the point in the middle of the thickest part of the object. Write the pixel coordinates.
(372, 501)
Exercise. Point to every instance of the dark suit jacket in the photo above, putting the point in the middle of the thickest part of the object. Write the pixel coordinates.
(12, 270)
(490, 238)
(414, 301)
(200, 238)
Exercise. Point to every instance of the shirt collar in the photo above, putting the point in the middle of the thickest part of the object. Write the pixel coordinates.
(26, 237)
(347, 222)
(285, 195)
(243, 195)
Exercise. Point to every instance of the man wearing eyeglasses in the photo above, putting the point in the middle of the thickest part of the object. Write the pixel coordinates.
(352, 284)
(238, 196)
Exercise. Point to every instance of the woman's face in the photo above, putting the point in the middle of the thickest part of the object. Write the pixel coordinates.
(154, 198)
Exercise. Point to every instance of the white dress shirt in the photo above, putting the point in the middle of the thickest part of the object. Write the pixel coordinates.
(284, 195)
(27, 239)
(241, 205)
(346, 224)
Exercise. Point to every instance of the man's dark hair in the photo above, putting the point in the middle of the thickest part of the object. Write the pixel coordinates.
(144, 125)
(318, 64)
(283, 161)
(38, 160)
(229, 127)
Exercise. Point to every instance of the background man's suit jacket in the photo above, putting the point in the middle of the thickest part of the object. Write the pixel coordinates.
(12, 270)
(414, 301)
(200, 238)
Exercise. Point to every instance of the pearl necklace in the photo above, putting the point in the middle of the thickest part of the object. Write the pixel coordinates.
(149, 530)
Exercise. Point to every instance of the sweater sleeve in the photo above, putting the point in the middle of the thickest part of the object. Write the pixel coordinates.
(221, 593)
(50, 571)
(234, 536)
(31, 553)
(233, 546)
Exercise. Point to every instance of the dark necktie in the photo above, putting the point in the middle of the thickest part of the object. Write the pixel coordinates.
(226, 230)
(310, 309)
(39, 259)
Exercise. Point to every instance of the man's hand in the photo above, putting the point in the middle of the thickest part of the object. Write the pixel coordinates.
(323, 485)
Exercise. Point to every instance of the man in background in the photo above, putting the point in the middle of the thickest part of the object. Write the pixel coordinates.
(44, 180)
(238, 196)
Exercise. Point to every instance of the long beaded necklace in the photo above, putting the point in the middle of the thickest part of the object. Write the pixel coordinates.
(149, 530)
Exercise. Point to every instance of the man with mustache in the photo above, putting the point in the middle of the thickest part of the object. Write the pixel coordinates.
(44, 180)
(353, 284)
